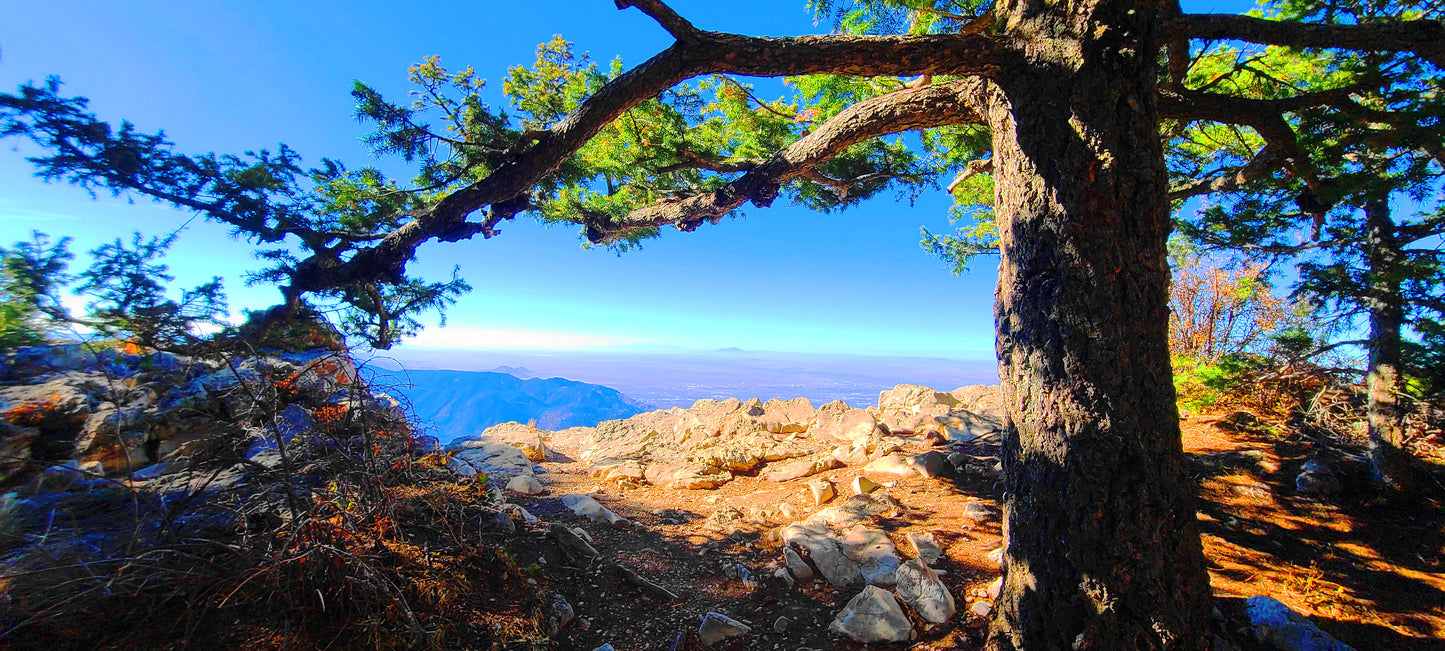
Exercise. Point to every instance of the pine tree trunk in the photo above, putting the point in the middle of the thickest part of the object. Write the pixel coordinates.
(1382, 380)
(1102, 545)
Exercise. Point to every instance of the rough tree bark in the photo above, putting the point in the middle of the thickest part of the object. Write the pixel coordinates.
(1387, 316)
(1102, 546)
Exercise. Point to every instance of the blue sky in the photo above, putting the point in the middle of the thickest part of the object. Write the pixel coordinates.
(234, 76)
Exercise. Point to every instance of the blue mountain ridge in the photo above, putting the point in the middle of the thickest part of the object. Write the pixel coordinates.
(453, 404)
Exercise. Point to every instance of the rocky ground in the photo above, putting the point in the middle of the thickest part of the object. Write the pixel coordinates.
(762, 525)
(727, 525)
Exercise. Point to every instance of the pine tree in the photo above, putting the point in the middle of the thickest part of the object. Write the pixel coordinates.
(1063, 101)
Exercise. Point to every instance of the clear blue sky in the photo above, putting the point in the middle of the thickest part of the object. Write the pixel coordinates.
(232, 76)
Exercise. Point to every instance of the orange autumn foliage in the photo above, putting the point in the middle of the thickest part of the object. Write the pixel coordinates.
(1222, 310)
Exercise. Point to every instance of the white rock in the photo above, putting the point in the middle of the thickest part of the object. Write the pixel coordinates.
(920, 588)
(716, 627)
(924, 547)
(822, 491)
(873, 617)
(825, 552)
(525, 484)
(587, 507)
(981, 608)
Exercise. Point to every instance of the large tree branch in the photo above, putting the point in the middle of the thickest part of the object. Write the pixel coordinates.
(1423, 37)
(699, 54)
(903, 110)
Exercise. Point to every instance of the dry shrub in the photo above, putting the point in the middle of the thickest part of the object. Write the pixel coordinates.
(358, 540)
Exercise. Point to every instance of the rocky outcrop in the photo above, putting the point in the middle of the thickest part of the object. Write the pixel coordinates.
(708, 444)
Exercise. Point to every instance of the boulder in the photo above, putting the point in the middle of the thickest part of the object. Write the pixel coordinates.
(982, 399)
(716, 627)
(525, 484)
(874, 553)
(873, 617)
(900, 408)
(497, 461)
(920, 588)
(862, 485)
(931, 464)
(896, 463)
(855, 509)
(824, 551)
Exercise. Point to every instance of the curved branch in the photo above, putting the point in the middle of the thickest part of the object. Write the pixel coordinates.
(1423, 37)
(700, 53)
(903, 110)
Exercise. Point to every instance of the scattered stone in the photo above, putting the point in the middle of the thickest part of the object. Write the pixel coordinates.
(796, 565)
(519, 514)
(822, 491)
(716, 627)
(873, 617)
(504, 523)
(788, 511)
(525, 484)
(995, 588)
(782, 574)
(1280, 628)
(924, 547)
(586, 506)
(605, 647)
(978, 511)
(995, 557)
(863, 485)
(780, 624)
(855, 509)
(559, 613)
(921, 590)
(981, 609)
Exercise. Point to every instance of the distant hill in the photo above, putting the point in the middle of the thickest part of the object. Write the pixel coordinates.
(462, 403)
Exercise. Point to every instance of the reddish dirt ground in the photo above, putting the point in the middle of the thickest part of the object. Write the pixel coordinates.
(1369, 571)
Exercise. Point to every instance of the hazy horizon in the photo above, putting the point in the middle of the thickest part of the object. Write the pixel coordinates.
(667, 376)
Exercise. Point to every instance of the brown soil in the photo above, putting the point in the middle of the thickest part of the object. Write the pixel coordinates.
(1368, 570)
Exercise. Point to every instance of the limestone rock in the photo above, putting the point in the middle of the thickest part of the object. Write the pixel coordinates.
(525, 484)
(822, 491)
(863, 485)
(873, 617)
(900, 408)
(1282, 629)
(920, 588)
(978, 511)
(824, 551)
(852, 426)
(892, 464)
(856, 509)
(874, 553)
(686, 477)
(796, 565)
(716, 627)
(586, 506)
(801, 468)
(982, 399)
(788, 416)
(924, 547)
(981, 608)
(995, 558)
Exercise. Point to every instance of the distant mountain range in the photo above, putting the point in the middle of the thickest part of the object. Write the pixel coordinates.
(463, 403)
